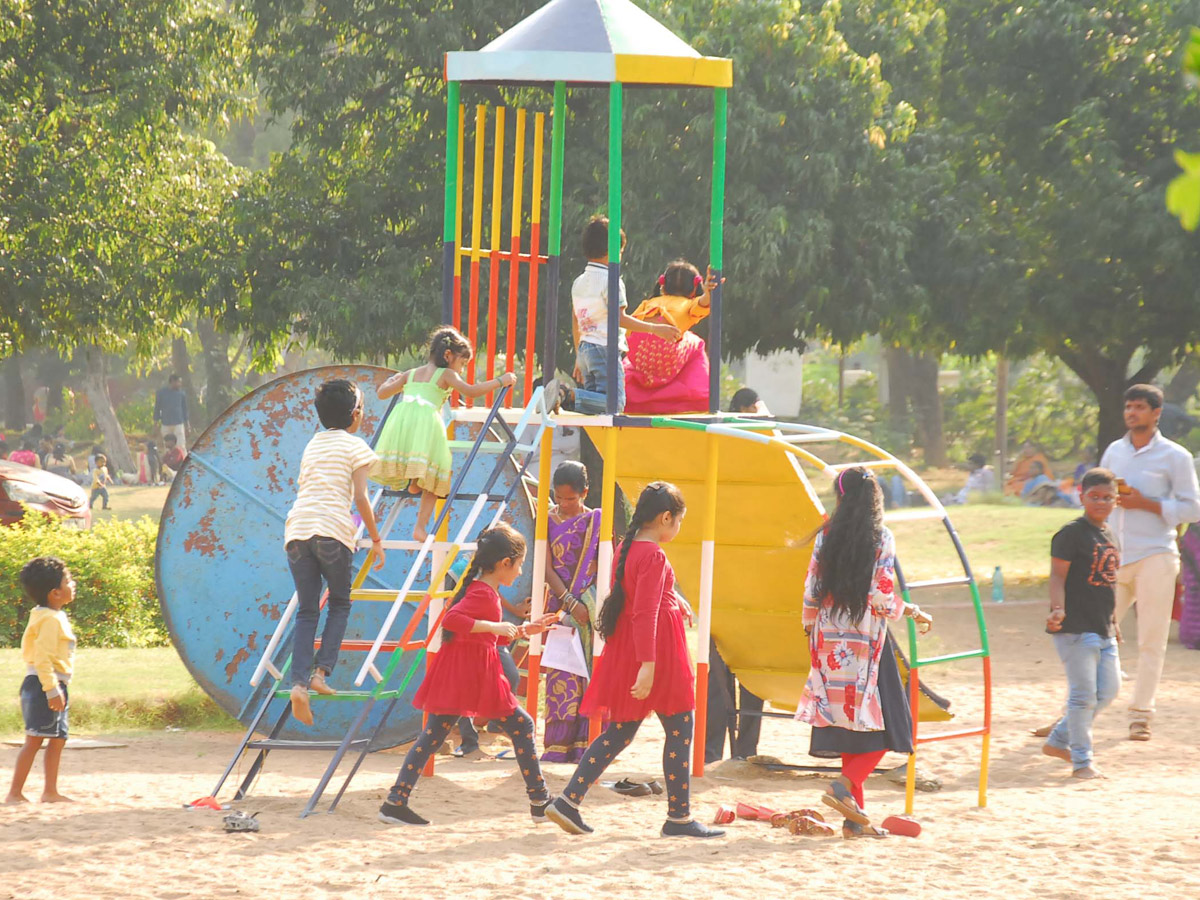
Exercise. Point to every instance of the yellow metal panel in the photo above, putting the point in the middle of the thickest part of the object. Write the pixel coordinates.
(766, 511)
(703, 71)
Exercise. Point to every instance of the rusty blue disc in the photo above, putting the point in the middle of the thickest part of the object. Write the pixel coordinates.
(222, 573)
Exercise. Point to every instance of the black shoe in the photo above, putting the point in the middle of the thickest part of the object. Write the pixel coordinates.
(690, 829)
(567, 817)
(395, 814)
(537, 811)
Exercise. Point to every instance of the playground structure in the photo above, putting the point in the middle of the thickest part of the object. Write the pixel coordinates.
(743, 569)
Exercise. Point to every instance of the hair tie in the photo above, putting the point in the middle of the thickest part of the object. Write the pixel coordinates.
(837, 485)
(662, 280)
(699, 283)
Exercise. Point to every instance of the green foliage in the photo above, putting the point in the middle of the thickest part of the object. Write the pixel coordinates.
(113, 564)
(137, 415)
(1183, 193)
(861, 413)
(1047, 404)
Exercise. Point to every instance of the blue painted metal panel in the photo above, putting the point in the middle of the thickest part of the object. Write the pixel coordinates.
(222, 573)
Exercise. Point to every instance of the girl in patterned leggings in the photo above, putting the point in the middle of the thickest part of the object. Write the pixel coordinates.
(645, 668)
(466, 679)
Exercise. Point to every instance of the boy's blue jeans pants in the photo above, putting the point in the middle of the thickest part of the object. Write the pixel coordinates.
(1093, 679)
(591, 398)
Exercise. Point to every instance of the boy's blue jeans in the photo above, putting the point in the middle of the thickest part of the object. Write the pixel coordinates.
(592, 397)
(1093, 679)
(311, 561)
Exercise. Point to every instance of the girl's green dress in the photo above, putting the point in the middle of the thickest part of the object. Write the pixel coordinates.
(412, 446)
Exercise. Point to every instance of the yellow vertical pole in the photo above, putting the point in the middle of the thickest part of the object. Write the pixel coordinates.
(541, 537)
(476, 233)
(708, 544)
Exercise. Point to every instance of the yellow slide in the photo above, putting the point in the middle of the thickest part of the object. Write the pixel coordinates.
(767, 511)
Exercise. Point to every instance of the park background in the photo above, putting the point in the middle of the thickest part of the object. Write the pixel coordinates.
(969, 219)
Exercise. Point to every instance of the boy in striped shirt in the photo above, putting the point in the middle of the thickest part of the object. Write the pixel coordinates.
(319, 536)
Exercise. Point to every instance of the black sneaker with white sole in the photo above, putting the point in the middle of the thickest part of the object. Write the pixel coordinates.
(690, 829)
(395, 814)
(537, 811)
(567, 817)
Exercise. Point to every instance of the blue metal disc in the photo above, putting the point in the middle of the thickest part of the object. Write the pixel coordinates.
(222, 573)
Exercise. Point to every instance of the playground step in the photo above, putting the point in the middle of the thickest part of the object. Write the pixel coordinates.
(416, 545)
(340, 695)
(280, 744)
(361, 646)
(383, 595)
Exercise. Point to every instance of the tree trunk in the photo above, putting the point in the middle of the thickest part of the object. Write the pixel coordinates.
(15, 410)
(927, 406)
(218, 373)
(1107, 381)
(181, 364)
(899, 367)
(1183, 386)
(116, 447)
(1001, 420)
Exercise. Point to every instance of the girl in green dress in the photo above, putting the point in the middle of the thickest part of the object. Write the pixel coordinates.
(413, 449)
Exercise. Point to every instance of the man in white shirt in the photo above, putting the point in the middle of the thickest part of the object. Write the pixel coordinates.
(1158, 492)
(589, 325)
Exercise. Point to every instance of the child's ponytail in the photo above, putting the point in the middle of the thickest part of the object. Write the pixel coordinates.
(497, 543)
(657, 498)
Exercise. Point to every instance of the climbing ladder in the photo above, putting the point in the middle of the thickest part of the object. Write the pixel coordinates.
(407, 652)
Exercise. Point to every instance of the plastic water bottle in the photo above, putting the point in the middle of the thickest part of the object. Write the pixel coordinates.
(997, 586)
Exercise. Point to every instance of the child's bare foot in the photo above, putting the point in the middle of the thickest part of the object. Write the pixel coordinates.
(317, 684)
(300, 705)
(56, 798)
(1087, 772)
(1056, 752)
(420, 534)
(414, 488)
(15, 799)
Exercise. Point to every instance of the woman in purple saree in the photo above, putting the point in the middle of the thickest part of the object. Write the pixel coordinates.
(571, 574)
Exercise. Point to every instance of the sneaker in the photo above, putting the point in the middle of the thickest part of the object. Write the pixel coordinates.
(691, 829)
(537, 811)
(567, 817)
(395, 814)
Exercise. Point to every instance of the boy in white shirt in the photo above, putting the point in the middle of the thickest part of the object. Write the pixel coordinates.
(319, 536)
(589, 325)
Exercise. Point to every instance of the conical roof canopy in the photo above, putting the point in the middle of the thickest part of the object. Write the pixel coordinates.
(590, 41)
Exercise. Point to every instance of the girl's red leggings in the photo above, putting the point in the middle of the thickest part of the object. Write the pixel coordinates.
(856, 767)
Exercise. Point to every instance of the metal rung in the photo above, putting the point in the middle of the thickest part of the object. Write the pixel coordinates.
(950, 657)
(328, 746)
(487, 447)
(937, 582)
(361, 646)
(491, 498)
(382, 595)
(340, 695)
(817, 438)
(275, 673)
(869, 464)
(415, 545)
(913, 515)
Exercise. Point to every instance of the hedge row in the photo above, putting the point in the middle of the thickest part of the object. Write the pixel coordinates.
(113, 565)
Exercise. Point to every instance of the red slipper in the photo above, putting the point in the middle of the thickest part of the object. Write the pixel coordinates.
(902, 826)
(725, 815)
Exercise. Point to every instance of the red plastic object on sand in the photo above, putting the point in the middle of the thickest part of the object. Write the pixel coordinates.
(902, 826)
(725, 815)
(205, 803)
(758, 813)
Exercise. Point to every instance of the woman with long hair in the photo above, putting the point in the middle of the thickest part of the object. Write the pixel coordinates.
(854, 698)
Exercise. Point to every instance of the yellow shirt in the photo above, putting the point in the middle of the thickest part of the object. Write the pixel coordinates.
(48, 647)
(682, 312)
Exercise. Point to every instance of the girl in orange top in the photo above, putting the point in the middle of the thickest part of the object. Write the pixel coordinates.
(664, 376)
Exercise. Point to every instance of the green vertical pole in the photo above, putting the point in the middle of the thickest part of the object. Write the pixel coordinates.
(716, 245)
(613, 406)
(554, 239)
(449, 238)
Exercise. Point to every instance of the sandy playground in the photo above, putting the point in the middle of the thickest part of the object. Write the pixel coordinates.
(1044, 835)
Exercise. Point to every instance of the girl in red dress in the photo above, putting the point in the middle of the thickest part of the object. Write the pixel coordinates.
(645, 667)
(466, 678)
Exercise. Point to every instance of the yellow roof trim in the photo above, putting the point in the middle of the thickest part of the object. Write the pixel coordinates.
(703, 71)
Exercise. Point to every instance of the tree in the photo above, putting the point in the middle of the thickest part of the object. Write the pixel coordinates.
(1183, 193)
(103, 182)
(1074, 109)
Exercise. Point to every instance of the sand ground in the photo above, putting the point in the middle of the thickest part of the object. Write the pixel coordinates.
(1042, 834)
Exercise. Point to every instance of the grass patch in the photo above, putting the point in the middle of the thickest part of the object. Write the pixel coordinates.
(1016, 538)
(120, 691)
(132, 503)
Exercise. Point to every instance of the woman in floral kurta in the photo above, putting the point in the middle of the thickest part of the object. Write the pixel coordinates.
(854, 698)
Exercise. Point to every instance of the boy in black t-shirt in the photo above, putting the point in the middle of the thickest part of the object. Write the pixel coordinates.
(1083, 577)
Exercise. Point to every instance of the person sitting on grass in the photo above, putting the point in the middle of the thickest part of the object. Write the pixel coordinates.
(48, 649)
(1083, 578)
(172, 458)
